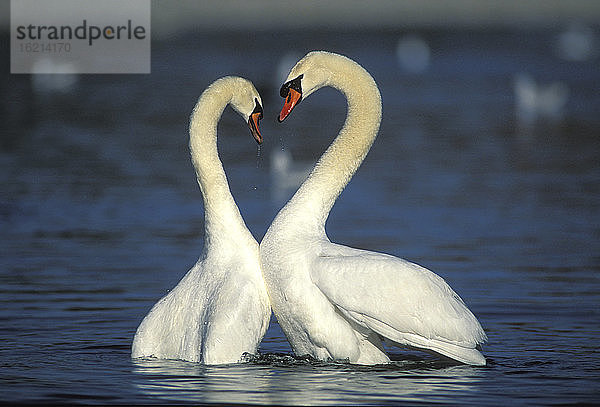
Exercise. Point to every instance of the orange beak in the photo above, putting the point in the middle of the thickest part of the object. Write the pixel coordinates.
(253, 124)
(292, 99)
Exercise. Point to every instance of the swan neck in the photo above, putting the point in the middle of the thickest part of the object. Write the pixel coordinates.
(342, 158)
(220, 209)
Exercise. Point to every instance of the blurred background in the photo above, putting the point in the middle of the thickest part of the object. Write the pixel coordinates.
(486, 170)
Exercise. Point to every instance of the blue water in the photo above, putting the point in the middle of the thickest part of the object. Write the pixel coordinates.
(100, 216)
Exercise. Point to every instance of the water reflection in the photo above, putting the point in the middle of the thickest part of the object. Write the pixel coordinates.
(278, 379)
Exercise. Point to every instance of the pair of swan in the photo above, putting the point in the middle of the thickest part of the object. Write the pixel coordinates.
(332, 302)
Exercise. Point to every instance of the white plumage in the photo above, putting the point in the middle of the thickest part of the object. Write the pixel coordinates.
(220, 309)
(337, 302)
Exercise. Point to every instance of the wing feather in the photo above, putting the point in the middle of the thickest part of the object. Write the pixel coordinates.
(402, 301)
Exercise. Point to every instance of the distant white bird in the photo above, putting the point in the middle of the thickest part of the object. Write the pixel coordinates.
(220, 309)
(51, 77)
(577, 43)
(286, 175)
(535, 103)
(335, 302)
(413, 53)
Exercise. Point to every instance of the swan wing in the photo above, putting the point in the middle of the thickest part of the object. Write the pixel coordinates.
(401, 301)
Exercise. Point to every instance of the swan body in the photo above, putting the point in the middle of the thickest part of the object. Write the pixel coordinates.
(335, 302)
(220, 309)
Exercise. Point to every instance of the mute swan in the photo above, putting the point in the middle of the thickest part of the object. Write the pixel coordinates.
(220, 309)
(337, 302)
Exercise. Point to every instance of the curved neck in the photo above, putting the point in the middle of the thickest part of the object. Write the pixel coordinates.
(221, 214)
(340, 161)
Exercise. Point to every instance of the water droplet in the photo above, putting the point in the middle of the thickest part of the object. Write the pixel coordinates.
(258, 156)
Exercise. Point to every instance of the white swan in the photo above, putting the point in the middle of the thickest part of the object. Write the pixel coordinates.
(337, 302)
(220, 309)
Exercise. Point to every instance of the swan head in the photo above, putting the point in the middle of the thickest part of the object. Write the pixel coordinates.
(247, 102)
(312, 72)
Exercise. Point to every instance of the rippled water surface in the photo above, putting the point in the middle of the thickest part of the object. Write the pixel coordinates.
(100, 216)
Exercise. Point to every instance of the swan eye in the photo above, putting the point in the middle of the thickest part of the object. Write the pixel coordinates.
(257, 109)
(295, 84)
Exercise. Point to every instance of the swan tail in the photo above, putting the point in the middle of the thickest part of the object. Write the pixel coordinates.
(461, 351)
(467, 355)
